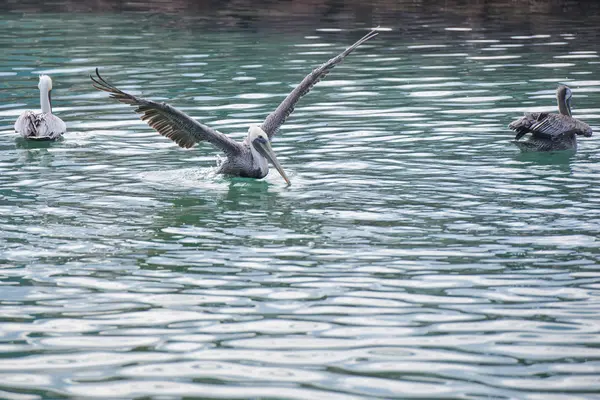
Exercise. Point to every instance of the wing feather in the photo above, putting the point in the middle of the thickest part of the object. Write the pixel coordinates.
(168, 121)
(274, 120)
(40, 126)
(549, 126)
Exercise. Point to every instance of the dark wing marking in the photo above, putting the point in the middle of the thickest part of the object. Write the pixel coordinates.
(168, 121)
(521, 131)
(277, 118)
(522, 125)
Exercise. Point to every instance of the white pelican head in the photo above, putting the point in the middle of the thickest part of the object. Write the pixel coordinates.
(45, 83)
(259, 140)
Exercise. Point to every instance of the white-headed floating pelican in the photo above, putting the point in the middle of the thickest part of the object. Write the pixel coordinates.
(246, 159)
(551, 132)
(44, 125)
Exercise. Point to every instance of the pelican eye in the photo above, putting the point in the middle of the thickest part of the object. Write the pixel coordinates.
(261, 140)
(569, 94)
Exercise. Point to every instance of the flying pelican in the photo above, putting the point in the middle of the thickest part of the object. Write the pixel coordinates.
(551, 132)
(249, 158)
(44, 125)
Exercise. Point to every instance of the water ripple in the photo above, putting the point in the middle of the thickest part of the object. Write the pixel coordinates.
(417, 254)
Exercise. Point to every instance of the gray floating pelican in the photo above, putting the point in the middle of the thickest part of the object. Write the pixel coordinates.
(551, 132)
(249, 158)
(44, 125)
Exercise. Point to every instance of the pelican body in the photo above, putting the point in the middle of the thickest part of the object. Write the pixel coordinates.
(249, 158)
(551, 132)
(44, 125)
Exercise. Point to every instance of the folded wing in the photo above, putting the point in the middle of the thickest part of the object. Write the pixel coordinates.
(549, 126)
(40, 126)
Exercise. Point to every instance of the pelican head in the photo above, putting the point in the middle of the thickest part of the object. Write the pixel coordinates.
(259, 140)
(45, 83)
(45, 87)
(563, 97)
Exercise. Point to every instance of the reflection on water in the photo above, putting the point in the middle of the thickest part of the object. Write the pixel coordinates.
(418, 253)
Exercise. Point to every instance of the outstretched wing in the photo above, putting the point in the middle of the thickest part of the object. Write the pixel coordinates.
(549, 126)
(277, 118)
(168, 121)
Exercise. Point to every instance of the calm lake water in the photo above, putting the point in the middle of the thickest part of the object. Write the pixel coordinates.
(417, 253)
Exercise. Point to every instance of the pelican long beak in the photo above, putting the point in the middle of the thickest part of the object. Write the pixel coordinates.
(265, 149)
